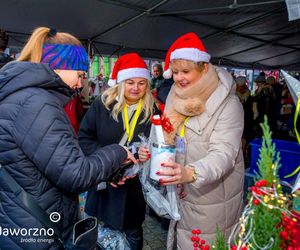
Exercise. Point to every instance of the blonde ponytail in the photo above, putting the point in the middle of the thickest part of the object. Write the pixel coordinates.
(33, 50)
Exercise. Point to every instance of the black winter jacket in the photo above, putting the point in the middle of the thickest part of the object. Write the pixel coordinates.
(122, 207)
(4, 59)
(40, 150)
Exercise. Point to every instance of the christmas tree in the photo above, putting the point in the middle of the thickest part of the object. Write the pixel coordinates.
(267, 221)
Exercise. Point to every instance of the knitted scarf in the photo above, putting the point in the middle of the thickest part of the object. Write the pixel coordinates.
(182, 103)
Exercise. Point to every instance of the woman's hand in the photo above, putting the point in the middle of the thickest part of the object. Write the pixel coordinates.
(173, 173)
(121, 182)
(144, 154)
(130, 157)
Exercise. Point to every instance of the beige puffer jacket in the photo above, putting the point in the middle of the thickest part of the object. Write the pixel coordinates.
(213, 146)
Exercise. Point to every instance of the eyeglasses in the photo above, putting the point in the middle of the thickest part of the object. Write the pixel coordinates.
(81, 75)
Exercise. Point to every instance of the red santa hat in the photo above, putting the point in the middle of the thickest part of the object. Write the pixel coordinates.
(187, 47)
(128, 66)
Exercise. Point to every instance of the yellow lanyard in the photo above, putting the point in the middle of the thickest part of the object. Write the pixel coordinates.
(295, 119)
(130, 131)
(182, 131)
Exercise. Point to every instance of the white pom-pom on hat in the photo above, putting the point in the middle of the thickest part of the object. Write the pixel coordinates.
(168, 73)
(111, 82)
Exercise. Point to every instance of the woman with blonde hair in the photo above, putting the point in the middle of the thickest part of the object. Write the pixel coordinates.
(119, 116)
(207, 119)
(39, 149)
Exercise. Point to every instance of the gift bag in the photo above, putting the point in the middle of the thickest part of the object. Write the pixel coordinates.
(162, 199)
(110, 239)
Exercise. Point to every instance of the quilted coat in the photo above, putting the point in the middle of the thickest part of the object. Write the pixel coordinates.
(213, 147)
(40, 150)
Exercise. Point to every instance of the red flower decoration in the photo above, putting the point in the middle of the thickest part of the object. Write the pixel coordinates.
(197, 242)
(261, 183)
(284, 235)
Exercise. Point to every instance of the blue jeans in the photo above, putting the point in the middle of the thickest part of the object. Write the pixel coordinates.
(135, 238)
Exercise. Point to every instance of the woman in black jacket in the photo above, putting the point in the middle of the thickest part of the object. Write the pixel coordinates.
(264, 100)
(120, 115)
(38, 147)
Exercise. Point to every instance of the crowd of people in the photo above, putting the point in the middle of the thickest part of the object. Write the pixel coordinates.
(272, 99)
(213, 118)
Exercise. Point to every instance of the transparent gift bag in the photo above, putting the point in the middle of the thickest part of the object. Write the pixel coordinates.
(107, 238)
(110, 239)
(162, 199)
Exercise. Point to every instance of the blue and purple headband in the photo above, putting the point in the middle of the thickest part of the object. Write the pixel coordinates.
(65, 56)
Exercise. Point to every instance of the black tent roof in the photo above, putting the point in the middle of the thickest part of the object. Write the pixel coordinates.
(240, 33)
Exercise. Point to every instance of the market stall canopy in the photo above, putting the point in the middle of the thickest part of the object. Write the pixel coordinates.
(240, 33)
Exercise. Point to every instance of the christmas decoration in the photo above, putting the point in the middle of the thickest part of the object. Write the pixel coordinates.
(198, 243)
(266, 222)
(270, 220)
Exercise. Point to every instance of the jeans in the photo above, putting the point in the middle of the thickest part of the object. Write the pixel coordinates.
(135, 238)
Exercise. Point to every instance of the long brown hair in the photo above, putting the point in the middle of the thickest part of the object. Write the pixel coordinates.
(33, 49)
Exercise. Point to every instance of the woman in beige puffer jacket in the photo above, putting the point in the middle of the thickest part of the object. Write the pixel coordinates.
(211, 169)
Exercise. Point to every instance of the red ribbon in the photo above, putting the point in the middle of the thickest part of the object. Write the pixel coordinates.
(164, 122)
(155, 121)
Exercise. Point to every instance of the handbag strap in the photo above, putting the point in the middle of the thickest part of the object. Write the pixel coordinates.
(31, 205)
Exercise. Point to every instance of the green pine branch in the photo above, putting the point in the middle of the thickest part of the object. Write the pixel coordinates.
(268, 156)
(265, 227)
(220, 243)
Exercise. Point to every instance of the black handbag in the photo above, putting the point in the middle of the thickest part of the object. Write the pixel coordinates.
(84, 233)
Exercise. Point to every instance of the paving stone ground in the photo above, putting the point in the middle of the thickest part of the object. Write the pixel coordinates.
(155, 238)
